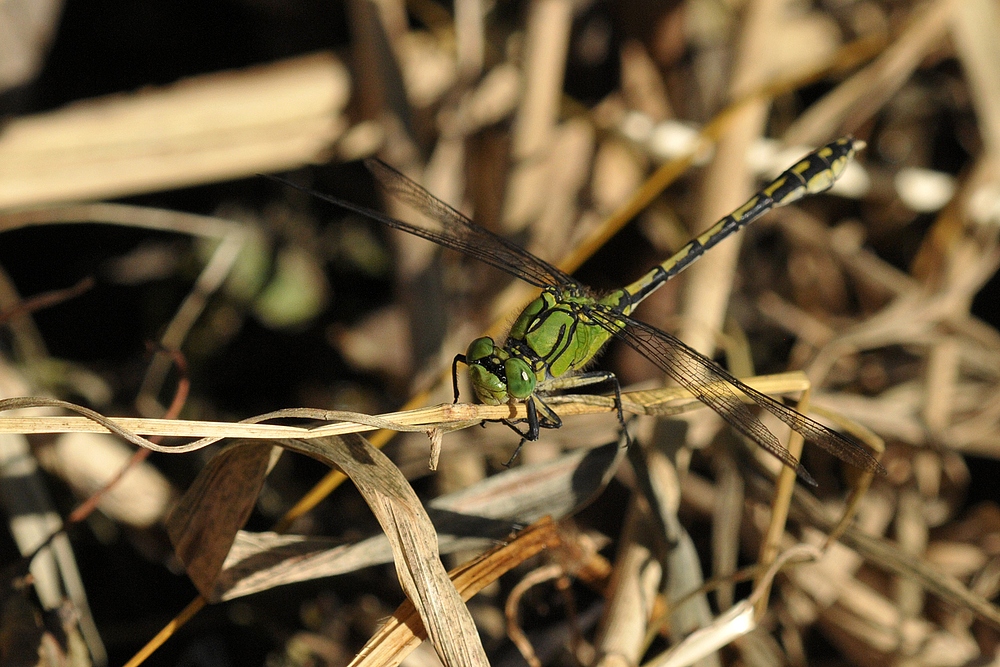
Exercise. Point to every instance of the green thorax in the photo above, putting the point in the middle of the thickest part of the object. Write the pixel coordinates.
(555, 334)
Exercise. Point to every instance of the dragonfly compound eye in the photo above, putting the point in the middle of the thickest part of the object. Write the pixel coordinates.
(520, 379)
(480, 349)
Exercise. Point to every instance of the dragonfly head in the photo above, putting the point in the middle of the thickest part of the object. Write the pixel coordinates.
(496, 375)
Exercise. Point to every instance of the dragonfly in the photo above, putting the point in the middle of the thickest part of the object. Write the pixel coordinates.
(558, 334)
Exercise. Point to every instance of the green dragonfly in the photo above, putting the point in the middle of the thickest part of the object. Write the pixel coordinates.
(559, 333)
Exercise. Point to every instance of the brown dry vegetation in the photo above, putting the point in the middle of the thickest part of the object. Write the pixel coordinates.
(157, 296)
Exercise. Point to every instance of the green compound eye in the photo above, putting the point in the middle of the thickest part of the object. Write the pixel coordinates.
(520, 379)
(480, 349)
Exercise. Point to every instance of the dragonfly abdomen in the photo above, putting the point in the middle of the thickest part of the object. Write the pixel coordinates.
(814, 174)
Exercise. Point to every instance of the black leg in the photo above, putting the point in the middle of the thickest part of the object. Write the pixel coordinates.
(532, 419)
(533, 425)
(511, 425)
(547, 416)
(618, 406)
(513, 456)
(459, 358)
(585, 379)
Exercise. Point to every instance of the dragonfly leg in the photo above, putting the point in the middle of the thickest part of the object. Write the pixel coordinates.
(533, 422)
(540, 416)
(584, 379)
(532, 433)
(517, 450)
(618, 407)
(459, 359)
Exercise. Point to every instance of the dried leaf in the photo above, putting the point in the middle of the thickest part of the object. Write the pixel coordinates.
(204, 524)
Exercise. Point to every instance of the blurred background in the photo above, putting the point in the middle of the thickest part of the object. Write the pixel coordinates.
(599, 135)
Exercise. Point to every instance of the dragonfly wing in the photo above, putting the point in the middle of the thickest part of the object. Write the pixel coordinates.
(713, 386)
(460, 233)
(454, 230)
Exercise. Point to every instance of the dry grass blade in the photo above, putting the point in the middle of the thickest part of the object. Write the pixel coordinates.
(547, 35)
(122, 215)
(44, 575)
(206, 128)
(974, 30)
(855, 100)
(402, 632)
(658, 402)
(541, 575)
(779, 511)
(130, 428)
(657, 477)
(528, 493)
(727, 182)
(413, 540)
(263, 561)
(638, 575)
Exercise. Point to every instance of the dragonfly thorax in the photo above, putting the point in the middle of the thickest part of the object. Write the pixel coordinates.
(496, 375)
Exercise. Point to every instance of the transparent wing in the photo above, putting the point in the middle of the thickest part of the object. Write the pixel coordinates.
(460, 233)
(447, 227)
(713, 386)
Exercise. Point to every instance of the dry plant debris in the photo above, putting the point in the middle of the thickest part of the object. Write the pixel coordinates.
(601, 137)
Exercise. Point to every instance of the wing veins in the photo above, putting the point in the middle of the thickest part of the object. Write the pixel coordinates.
(712, 385)
(461, 235)
(481, 242)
